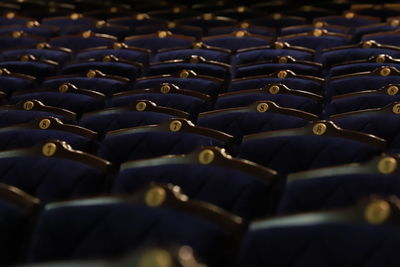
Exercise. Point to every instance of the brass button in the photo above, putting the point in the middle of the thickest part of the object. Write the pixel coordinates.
(141, 16)
(385, 71)
(117, 45)
(262, 107)
(319, 128)
(317, 32)
(206, 156)
(44, 124)
(162, 34)
(377, 212)
(107, 58)
(32, 23)
(367, 44)
(141, 106)
(198, 45)
(240, 34)
(282, 60)
(171, 24)
(387, 165)
(63, 88)
(156, 258)
(25, 58)
(318, 24)
(28, 105)
(101, 23)
(349, 15)
(165, 89)
(241, 9)
(277, 16)
(279, 45)
(155, 197)
(380, 59)
(175, 126)
(396, 109)
(207, 16)
(392, 90)
(86, 34)
(75, 16)
(274, 89)
(184, 74)
(17, 34)
(282, 74)
(394, 23)
(244, 25)
(41, 45)
(49, 149)
(91, 74)
(10, 15)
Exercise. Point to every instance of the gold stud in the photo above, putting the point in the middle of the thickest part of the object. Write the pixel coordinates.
(387, 165)
(155, 197)
(367, 44)
(107, 58)
(279, 45)
(206, 156)
(240, 34)
(394, 23)
(101, 23)
(117, 45)
(171, 25)
(44, 124)
(63, 88)
(396, 109)
(207, 16)
(198, 45)
(49, 149)
(392, 90)
(165, 89)
(319, 128)
(17, 34)
(162, 34)
(141, 106)
(32, 23)
(28, 105)
(385, 71)
(318, 24)
(113, 9)
(86, 34)
(274, 89)
(184, 74)
(241, 9)
(277, 16)
(175, 126)
(380, 59)
(91, 74)
(156, 258)
(25, 58)
(10, 15)
(262, 107)
(140, 16)
(349, 15)
(282, 60)
(317, 32)
(41, 45)
(74, 16)
(282, 74)
(377, 212)
(176, 10)
(244, 25)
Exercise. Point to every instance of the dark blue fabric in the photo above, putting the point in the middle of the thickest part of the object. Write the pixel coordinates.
(11, 117)
(9, 84)
(234, 190)
(359, 102)
(251, 29)
(37, 69)
(77, 42)
(389, 38)
(112, 68)
(127, 54)
(386, 126)
(267, 68)
(9, 42)
(234, 43)
(78, 103)
(321, 245)
(239, 124)
(42, 31)
(317, 43)
(372, 28)
(309, 28)
(260, 55)
(359, 67)
(105, 231)
(103, 122)
(190, 104)
(283, 100)
(156, 43)
(51, 54)
(287, 154)
(335, 191)
(356, 21)
(284, 21)
(184, 53)
(133, 146)
(293, 83)
(51, 179)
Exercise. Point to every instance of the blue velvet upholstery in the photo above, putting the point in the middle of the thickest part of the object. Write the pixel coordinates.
(271, 67)
(154, 43)
(359, 67)
(37, 69)
(388, 38)
(57, 55)
(235, 43)
(127, 54)
(78, 42)
(12, 117)
(12, 83)
(353, 21)
(316, 42)
(208, 54)
(123, 69)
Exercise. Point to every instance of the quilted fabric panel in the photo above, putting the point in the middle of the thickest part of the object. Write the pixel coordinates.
(82, 232)
(287, 154)
(51, 179)
(239, 124)
(324, 245)
(233, 190)
(127, 147)
(336, 191)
